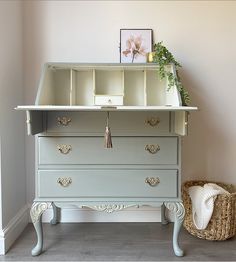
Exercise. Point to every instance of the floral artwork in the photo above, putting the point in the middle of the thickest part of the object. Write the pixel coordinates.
(135, 44)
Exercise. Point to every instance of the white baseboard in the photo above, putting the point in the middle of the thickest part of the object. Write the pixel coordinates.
(70, 215)
(14, 228)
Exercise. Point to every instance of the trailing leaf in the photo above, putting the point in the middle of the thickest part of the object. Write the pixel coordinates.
(163, 57)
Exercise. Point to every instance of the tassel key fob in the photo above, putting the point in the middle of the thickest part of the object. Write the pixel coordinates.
(107, 137)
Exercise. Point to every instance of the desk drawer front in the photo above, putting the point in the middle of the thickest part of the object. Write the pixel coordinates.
(107, 183)
(90, 150)
(108, 100)
(128, 123)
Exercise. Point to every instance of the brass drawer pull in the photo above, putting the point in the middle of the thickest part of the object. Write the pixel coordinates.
(64, 149)
(64, 181)
(152, 149)
(153, 121)
(64, 121)
(152, 181)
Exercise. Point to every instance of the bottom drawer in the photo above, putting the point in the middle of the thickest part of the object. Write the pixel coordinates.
(107, 183)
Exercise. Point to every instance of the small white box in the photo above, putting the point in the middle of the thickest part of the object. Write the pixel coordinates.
(104, 100)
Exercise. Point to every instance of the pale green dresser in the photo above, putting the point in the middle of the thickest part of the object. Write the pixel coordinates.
(73, 167)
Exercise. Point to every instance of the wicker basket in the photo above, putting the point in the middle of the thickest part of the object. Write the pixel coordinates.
(223, 221)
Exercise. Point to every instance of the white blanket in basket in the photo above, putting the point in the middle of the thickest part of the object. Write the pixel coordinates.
(203, 202)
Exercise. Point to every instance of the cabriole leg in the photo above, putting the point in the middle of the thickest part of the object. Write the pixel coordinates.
(164, 221)
(178, 209)
(36, 212)
(56, 211)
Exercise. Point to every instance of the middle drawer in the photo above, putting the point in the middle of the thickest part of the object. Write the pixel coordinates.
(90, 150)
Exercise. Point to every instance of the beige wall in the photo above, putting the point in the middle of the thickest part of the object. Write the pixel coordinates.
(13, 202)
(11, 123)
(202, 36)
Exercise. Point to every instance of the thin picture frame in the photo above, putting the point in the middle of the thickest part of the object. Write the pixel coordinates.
(135, 44)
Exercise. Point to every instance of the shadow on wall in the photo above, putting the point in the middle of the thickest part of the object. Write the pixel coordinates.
(205, 141)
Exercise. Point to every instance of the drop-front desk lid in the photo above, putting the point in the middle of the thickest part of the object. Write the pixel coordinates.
(105, 87)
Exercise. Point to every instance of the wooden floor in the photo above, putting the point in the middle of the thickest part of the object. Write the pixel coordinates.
(117, 242)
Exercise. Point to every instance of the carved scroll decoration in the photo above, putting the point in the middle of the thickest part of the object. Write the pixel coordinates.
(110, 208)
(37, 210)
(177, 208)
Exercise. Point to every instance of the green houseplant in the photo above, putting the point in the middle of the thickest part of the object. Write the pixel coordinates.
(163, 57)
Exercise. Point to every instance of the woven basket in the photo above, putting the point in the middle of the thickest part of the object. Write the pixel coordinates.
(223, 221)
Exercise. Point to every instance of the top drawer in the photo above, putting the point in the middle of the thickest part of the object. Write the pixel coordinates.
(121, 123)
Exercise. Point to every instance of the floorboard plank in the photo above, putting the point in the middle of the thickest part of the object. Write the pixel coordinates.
(117, 242)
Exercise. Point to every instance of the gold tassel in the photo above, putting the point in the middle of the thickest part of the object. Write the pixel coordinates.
(107, 142)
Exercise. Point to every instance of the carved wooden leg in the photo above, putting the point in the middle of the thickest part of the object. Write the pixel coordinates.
(56, 211)
(164, 221)
(36, 212)
(178, 209)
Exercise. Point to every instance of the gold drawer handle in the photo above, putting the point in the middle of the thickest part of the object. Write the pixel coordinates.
(153, 121)
(152, 181)
(64, 149)
(64, 121)
(64, 181)
(152, 149)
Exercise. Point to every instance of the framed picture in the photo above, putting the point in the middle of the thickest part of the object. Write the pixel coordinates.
(134, 45)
